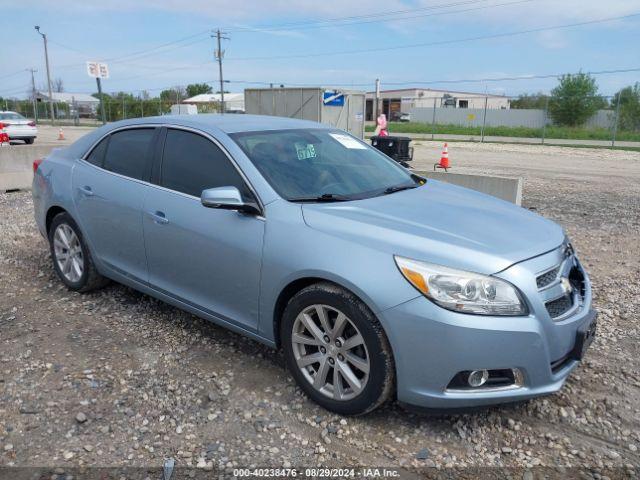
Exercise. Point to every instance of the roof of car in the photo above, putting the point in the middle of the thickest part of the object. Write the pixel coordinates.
(229, 123)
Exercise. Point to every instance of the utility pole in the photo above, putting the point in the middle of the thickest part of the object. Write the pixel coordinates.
(46, 59)
(33, 93)
(219, 54)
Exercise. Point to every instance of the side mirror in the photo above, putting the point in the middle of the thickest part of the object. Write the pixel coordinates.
(227, 198)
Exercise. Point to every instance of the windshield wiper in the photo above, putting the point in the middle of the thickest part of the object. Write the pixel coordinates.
(399, 188)
(325, 197)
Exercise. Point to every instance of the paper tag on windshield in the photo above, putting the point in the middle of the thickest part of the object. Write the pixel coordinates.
(347, 141)
(305, 151)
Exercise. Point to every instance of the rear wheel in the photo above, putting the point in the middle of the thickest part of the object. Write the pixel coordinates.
(71, 258)
(336, 350)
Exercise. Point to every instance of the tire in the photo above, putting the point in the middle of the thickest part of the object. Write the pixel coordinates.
(29, 141)
(85, 279)
(370, 360)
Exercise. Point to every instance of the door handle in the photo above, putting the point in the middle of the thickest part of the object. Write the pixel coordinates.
(86, 190)
(159, 217)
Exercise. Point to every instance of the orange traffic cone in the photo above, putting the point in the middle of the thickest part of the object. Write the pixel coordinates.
(60, 134)
(444, 159)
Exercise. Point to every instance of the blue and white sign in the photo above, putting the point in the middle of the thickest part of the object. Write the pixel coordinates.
(333, 98)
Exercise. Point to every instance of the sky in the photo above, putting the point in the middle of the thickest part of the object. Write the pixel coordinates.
(155, 44)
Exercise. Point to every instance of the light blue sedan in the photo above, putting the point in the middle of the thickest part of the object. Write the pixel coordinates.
(375, 283)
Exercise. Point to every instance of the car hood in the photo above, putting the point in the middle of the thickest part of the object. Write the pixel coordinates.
(440, 223)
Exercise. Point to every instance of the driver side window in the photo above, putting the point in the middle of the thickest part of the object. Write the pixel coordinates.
(192, 163)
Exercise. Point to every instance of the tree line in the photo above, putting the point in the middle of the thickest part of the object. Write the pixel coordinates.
(576, 99)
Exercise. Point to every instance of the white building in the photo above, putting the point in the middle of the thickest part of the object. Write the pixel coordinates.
(402, 100)
(69, 98)
(82, 104)
(233, 102)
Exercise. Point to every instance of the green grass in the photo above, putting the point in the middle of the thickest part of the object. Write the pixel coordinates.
(506, 142)
(569, 133)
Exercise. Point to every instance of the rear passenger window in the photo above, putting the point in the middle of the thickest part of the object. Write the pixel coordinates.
(97, 154)
(128, 152)
(192, 163)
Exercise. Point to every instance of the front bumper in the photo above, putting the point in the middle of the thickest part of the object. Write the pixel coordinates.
(431, 345)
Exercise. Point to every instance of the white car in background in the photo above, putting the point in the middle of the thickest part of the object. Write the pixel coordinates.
(18, 127)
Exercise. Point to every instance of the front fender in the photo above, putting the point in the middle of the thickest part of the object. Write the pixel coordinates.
(294, 251)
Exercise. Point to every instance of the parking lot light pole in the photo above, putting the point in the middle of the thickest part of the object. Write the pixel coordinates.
(46, 59)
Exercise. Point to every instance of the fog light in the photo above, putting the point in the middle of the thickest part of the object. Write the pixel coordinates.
(477, 378)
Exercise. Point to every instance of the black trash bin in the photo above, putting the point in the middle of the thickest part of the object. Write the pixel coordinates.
(395, 147)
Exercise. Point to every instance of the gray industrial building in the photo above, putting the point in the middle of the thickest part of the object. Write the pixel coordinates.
(336, 107)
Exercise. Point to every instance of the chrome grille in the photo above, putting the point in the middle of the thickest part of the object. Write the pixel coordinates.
(547, 278)
(559, 306)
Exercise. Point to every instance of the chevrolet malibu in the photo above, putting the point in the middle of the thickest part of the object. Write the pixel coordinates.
(375, 282)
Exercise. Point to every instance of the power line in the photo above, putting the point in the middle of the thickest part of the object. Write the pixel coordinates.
(174, 45)
(441, 42)
(12, 74)
(135, 56)
(420, 82)
(404, 83)
(387, 19)
(504, 79)
(290, 25)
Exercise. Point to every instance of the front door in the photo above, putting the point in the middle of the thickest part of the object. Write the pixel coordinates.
(205, 257)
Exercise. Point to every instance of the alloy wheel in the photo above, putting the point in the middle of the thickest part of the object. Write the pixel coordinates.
(330, 352)
(68, 252)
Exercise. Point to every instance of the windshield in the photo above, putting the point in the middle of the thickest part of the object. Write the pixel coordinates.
(322, 165)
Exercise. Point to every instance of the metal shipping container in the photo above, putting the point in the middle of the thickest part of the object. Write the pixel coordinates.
(342, 109)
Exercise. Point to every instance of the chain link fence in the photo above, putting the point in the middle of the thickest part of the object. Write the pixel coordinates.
(493, 118)
(473, 118)
(82, 113)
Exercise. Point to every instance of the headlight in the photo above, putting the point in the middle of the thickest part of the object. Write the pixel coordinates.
(461, 291)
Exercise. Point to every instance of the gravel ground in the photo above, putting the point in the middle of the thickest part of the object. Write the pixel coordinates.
(116, 378)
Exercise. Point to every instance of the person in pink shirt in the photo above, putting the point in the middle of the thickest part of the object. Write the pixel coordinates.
(381, 126)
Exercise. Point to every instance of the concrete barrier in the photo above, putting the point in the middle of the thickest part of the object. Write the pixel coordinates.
(16, 165)
(509, 189)
(16, 173)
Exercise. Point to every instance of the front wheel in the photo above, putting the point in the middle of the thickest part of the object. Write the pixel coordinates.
(29, 141)
(336, 350)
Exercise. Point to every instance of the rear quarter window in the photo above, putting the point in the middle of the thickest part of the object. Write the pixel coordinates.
(96, 157)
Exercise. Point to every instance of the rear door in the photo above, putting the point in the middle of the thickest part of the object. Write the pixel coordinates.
(207, 258)
(109, 188)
